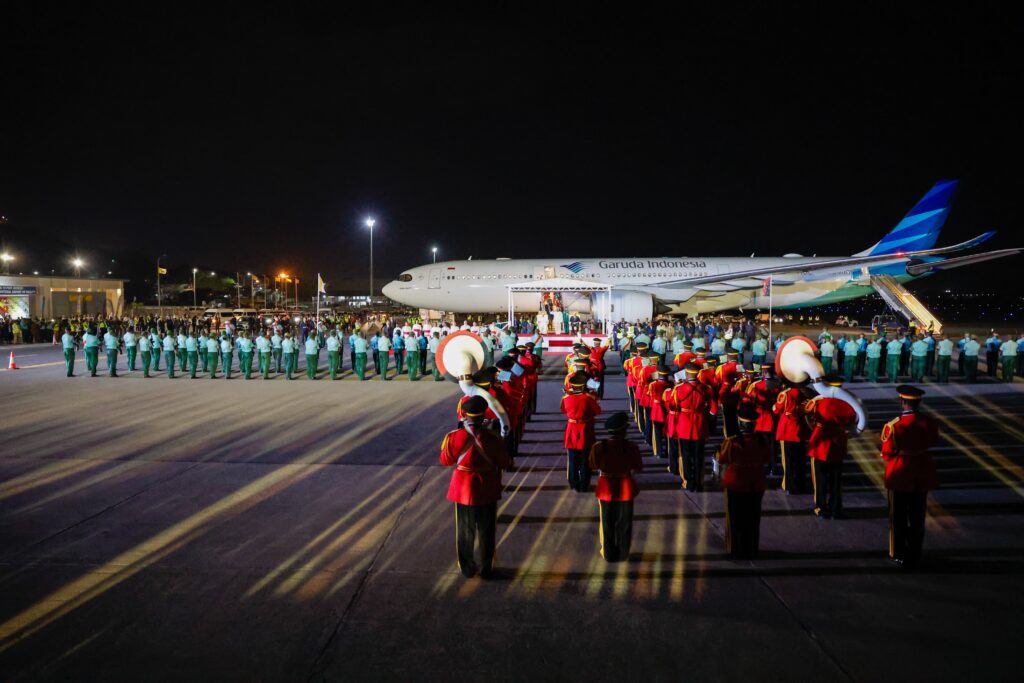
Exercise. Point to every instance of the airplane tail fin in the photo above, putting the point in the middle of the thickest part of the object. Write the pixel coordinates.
(920, 228)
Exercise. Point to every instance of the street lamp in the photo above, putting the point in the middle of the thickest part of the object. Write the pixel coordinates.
(194, 303)
(77, 263)
(6, 258)
(370, 223)
(434, 250)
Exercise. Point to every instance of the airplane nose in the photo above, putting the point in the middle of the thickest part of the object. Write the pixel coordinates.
(389, 290)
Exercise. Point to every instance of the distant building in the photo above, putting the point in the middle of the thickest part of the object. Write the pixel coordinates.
(59, 297)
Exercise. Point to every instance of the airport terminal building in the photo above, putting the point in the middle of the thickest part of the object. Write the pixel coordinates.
(36, 296)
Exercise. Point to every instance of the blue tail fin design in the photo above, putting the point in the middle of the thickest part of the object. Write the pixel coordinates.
(920, 228)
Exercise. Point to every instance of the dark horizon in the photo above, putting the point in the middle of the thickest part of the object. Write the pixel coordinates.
(259, 143)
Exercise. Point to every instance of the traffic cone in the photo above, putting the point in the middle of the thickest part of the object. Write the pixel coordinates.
(11, 365)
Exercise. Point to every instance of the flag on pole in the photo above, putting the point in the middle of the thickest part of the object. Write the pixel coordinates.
(320, 286)
(161, 271)
(767, 286)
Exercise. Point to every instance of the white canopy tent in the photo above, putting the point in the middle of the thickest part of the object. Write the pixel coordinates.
(564, 284)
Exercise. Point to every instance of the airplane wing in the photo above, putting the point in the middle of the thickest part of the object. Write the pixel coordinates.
(933, 266)
(789, 272)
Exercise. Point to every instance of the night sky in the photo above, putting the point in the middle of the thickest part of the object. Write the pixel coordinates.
(251, 140)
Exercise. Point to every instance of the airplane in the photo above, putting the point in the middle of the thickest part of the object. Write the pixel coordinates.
(636, 288)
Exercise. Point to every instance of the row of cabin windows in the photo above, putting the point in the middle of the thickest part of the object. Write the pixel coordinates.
(572, 277)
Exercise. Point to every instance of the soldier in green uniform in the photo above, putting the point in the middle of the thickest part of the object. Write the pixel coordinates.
(213, 354)
(156, 348)
(131, 347)
(412, 357)
(312, 356)
(277, 349)
(435, 341)
(226, 354)
(145, 348)
(288, 352)
(182, 351)
(970, 353)
(245, 354)
(488, 342)
(192, 354)
(92, 350)
(359, 347)
(918, 359)
(828, 350)
(111, 342)
(70, 344)
(944, 357)
(168, 345)
(333, 344)
(1008, 358)
(850, 349)
(892, 360)
(874, 356)
(383, 355)
(204, 356)
(263, 349)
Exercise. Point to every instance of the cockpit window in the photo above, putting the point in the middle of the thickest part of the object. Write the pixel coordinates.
(405, 277)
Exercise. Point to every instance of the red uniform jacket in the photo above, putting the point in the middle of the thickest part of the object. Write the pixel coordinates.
(461, 413)
(478, 465)
(905, 444)
(831, 417)
(708, 379)
(691, 400)
(617, 459)
(597, 357)
(746, 455)
(580, 409)
(764, 398)
(656, 396)
(790, 410)
(646, 376)
(740, 390)
(508, 402)
(727, 374)
(683, 358)
(627, 367)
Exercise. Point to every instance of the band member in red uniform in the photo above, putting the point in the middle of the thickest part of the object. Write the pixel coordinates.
(645, 376)
(691, 400)
(909, 475)
(482, 379)
(597, 352)
(727, 374)
(627, 370)
(478, 456)
(532, 375)
(656, 396)
(684, 356)
(515, 389)
(763, 393)
(744, 458)
(791, 434)
(580, 409)
(708, 378)
(617, 459)
(831, 419)
(523, 383)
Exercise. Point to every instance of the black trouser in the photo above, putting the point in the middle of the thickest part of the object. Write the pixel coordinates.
(423, 361)
(828, 487)
(730, 425)
(616, 529)
(906, 524)
(674, 454)
(794, 466)
(861, 359)
(578, 469)
(647, 427)
(742, 523)
(991, 362)
(692, 455)
(773, 463)
(658, 442)
(632, 400)
(474, 537)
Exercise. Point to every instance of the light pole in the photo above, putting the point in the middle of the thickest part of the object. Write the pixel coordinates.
(159, 296)
(78, 263)
(252, 291)
(370, 223)
(194, 302)
(6, 258)
(434, 250)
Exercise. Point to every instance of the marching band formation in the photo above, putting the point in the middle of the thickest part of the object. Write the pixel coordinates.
(772, 428)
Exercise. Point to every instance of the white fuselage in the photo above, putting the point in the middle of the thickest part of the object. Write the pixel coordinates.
(482, 286)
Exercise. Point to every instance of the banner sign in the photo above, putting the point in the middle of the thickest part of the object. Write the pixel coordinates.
(16, 290)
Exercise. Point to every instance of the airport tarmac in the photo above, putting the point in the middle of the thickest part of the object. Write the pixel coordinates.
(155, 529)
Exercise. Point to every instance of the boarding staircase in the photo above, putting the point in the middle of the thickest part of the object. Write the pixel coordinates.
(901, 300)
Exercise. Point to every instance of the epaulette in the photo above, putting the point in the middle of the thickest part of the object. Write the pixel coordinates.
(888, 429)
